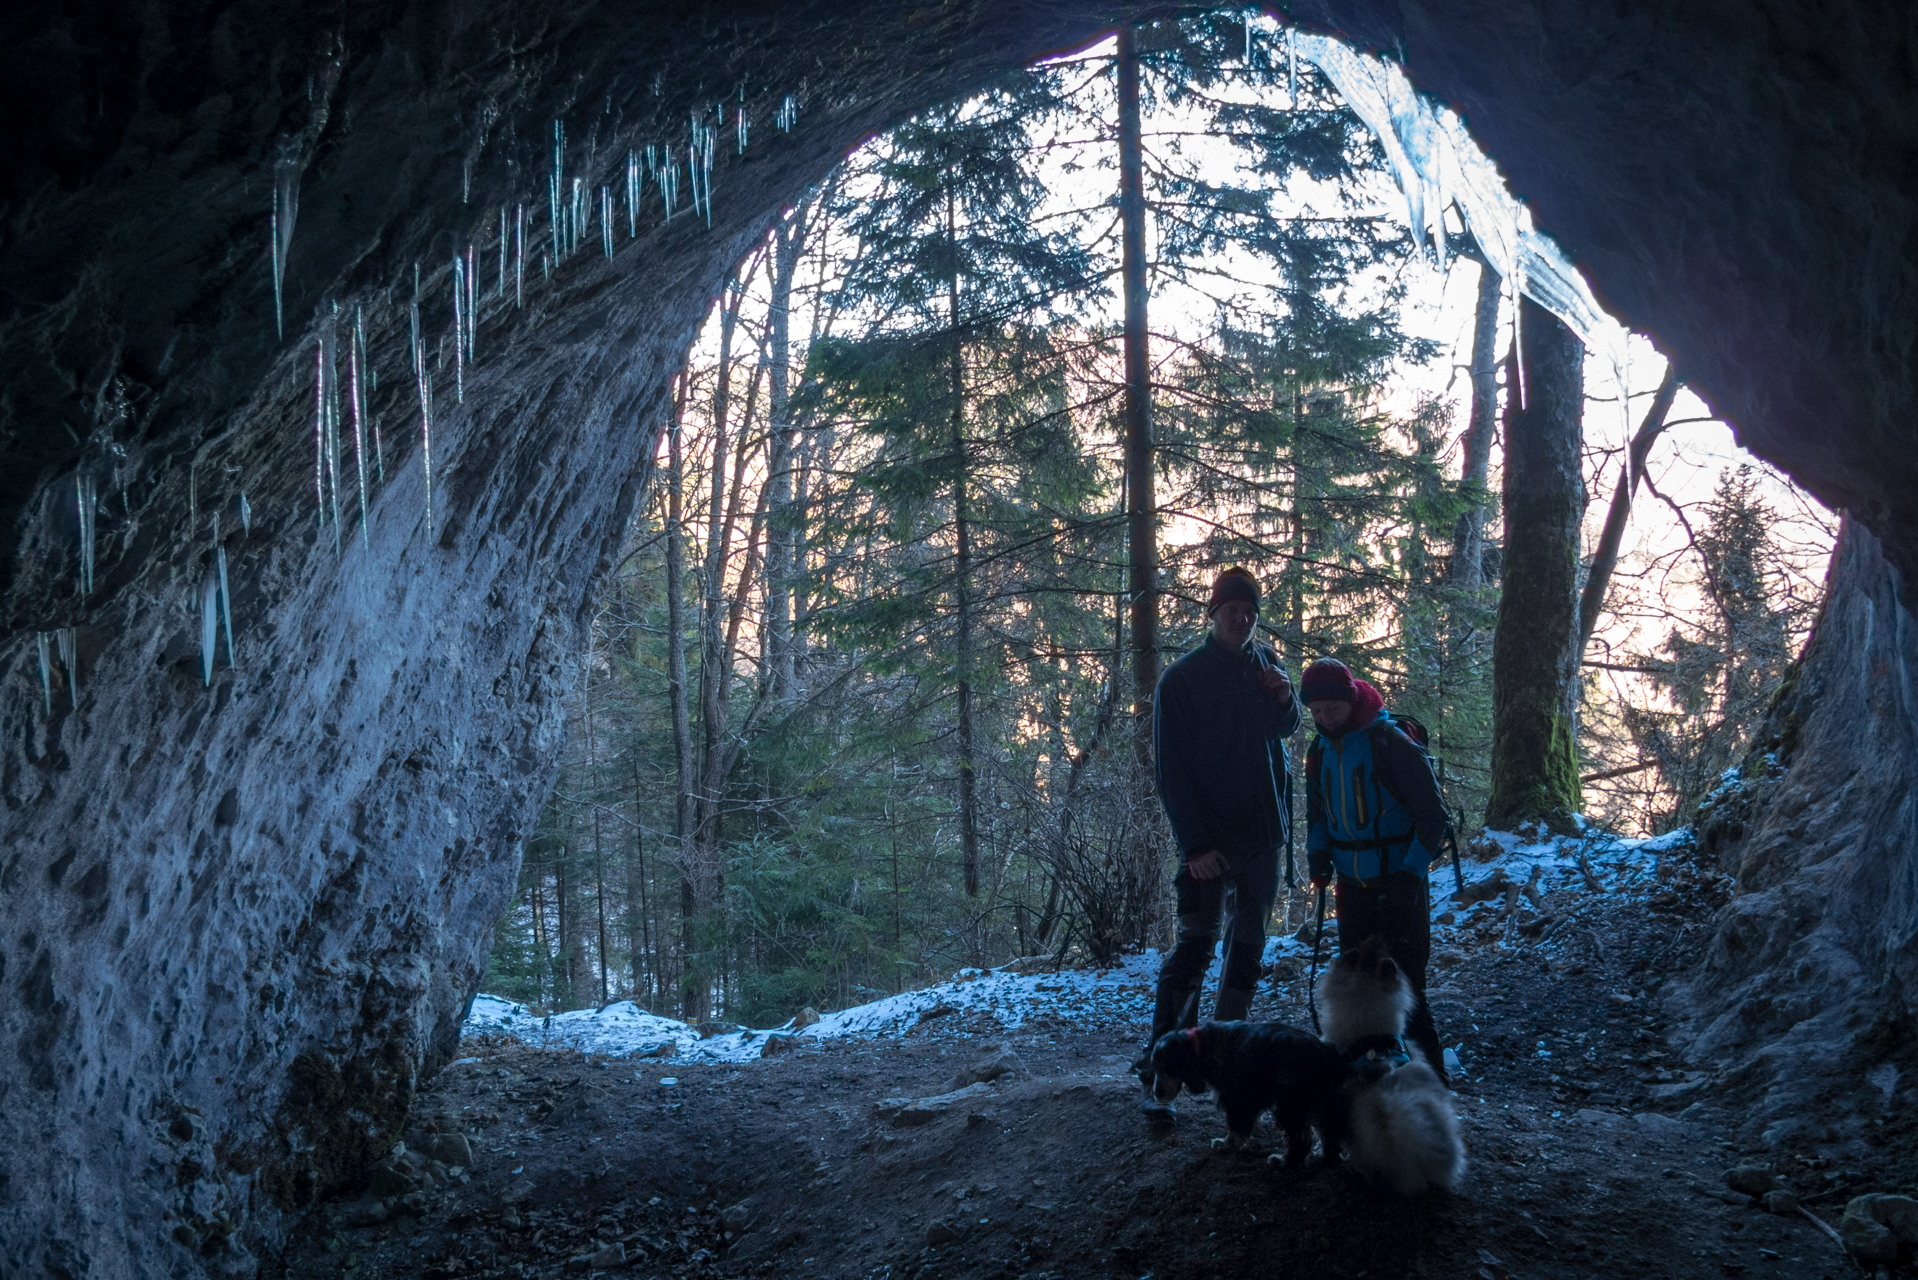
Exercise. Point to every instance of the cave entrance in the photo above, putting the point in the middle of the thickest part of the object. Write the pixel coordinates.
(900, 437)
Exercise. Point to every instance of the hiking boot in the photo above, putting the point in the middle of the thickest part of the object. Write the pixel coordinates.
(1232, 1005)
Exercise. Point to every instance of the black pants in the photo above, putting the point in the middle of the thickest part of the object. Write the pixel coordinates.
(1253, 882)
(1396, 909)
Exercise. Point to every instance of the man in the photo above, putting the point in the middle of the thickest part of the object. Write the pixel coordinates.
(1374, 817)
(1218, 723)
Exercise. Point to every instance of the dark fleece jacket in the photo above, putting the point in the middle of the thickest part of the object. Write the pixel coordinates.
(1219, 753)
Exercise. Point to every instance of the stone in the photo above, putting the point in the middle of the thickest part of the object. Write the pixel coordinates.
(613, 1255)
(657, 1049)
(709, 1029)
(518, 1193)
(736, 1218)
(994, 1063)
(452, 1149)
(370, 1211)
(1866, 1239)
(806, 1017)
(1653, 1122)
(1780, 1202)
(777, 1044)
(939, 1231)
(388, 1182)
(904, 1113)
(1753, 1177)
(1897, 1214)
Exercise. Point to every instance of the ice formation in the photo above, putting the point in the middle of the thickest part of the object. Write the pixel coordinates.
(67, 640)
(632, 195)
(87, 500)
(1437, 164)
(209, 627)
(286, 207)
(606, 220)
(788, 115)
(46, 668)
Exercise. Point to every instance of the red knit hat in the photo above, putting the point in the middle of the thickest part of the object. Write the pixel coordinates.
(1328, 680)
(1234, 583)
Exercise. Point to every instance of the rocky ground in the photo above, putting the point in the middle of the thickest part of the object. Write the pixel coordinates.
(1594, 1151)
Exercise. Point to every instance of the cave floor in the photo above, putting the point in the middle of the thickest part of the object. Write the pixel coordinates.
(1578, 1165)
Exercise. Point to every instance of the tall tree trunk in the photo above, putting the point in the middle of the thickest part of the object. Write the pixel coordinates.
(1535, 650)
(962, 566)
(1468, 542)
(788, 239)
(1605, 556)
(592, 792)
(676, 685)
(1142, 514)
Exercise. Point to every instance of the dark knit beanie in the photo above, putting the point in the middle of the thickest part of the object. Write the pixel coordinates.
(1233, 584)
(1328, 680)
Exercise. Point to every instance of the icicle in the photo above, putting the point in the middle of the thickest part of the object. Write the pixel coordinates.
(466, 184)
(632, 196)
(286, 208)
(226, 596)
(46, 668)
(606, 220)
(500, 294)
(519, 255)
(246, 514)
(356, 398)
(331, 418)
(426, 443)
(68, 641)
(669, 186)
(279, 270)
(555, 187)
(319, 432)
(459, 330)
(472, 306)
(87, 501)
(741, 128)
(580, 211)
(788, 115)
(209, 628)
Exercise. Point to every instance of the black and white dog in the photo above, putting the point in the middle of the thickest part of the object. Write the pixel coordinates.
(1256, 1067)
(1400, 1128)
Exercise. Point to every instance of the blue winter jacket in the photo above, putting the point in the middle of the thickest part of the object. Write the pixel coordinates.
(1367, 817)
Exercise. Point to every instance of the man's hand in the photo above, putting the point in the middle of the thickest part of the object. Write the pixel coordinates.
(1320, 882)
(1274, 680)
(1207, 864)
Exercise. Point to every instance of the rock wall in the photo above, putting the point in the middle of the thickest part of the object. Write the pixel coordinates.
(1804, 1003)
(238, 921)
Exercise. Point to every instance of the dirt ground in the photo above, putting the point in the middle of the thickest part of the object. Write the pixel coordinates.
(1579, 1163)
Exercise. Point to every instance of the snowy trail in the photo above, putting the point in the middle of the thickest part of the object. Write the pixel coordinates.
(1120, 994)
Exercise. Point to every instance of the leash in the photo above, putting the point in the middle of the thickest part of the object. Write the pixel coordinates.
(1311, 999)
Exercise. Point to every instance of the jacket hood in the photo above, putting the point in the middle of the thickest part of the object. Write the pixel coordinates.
(1365, 708)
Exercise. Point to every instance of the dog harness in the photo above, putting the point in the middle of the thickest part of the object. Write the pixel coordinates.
(1389, 1050)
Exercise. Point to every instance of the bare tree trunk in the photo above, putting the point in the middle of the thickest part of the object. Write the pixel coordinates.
(1468, 543)
(676, 683)
(1142, 513)
(592, 791)
(1605, 556)
(1535, 649)
(962, 566)
(788, 238)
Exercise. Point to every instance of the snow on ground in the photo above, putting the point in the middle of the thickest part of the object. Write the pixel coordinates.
(1120, 994)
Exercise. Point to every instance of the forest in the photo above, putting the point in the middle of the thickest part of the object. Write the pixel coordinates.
(963, 441)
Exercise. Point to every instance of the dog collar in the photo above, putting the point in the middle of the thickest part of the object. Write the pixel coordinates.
(1192, 1036)
(1380, 1048)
